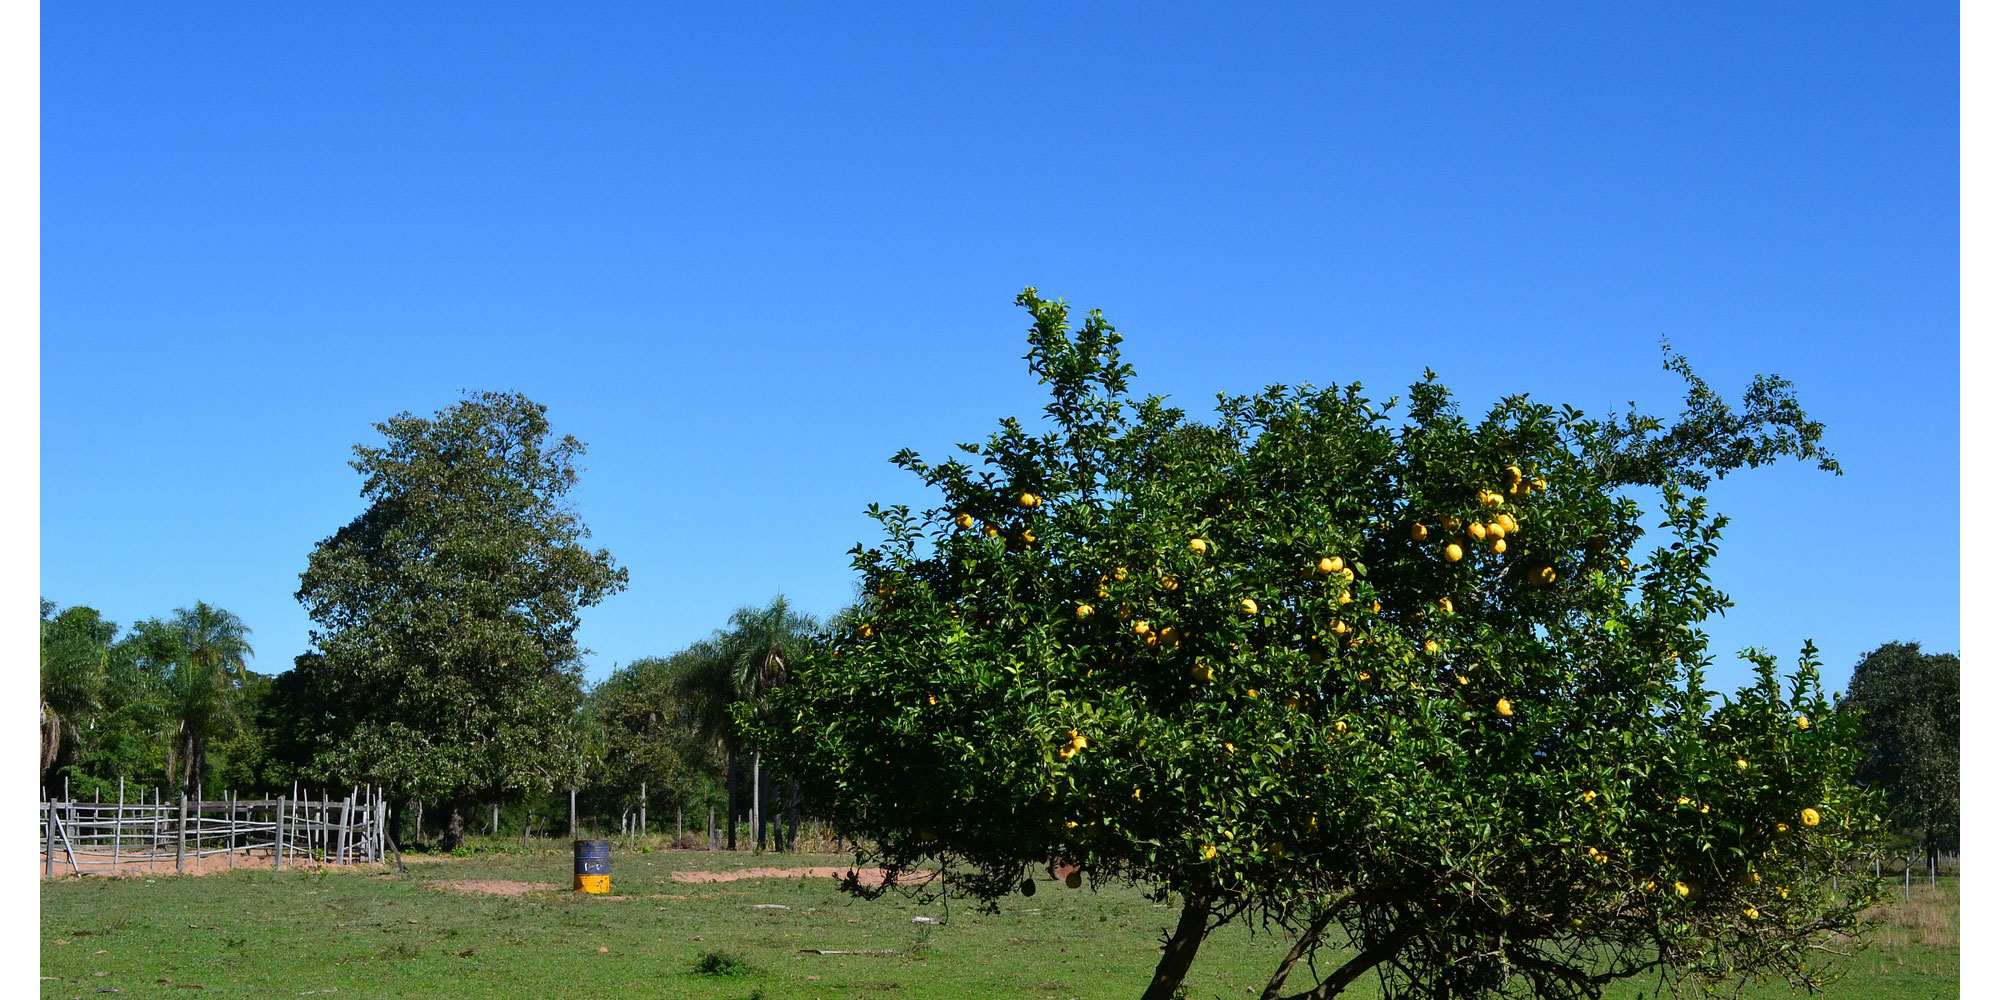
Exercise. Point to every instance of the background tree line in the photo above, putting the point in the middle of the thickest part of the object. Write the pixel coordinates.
(169, 704)
(445, 667)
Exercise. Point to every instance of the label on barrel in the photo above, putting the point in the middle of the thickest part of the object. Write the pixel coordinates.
(593, 883)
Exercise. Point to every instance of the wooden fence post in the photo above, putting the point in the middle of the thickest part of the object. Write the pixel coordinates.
(48, 836)
(278, 833)
(572, 812)
(118, 825)
(642, 809)
(181, 836)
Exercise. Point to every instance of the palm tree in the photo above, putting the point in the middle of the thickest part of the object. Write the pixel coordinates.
(75, 655)
(739, 664)
(760, 647)
(200, 657)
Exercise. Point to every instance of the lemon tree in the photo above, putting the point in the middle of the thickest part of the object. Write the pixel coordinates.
(1393, 682)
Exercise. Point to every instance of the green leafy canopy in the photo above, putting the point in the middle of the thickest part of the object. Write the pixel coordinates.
(1395, 684)
(446, 613)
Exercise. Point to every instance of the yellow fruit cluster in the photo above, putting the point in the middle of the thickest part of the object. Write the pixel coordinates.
(1077, 743)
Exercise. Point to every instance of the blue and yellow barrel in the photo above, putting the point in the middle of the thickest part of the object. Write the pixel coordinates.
(593, 866)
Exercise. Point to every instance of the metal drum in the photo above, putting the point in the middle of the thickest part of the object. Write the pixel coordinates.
(593, 866)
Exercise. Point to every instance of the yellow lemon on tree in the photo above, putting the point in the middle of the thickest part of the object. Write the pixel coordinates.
(991, 531)
(1495, 529)
(1452, 553)
(1199, 545)
(1247, 606)
(1750, 912)
(1809, 816)
(964, 520)
(1507, 521)
(1476, 530)
(1418, 532)
(1681, 888)
(1431, 646)
(1208, 852)
(1340, 726)
(1084, 611)
(1741, 764)
(1118, 574)
(1513, 474)
(1499, 545)
(1141, 627)
(1202, 672)
(1030, 500)
(1328, 564)
(1504, 707)
(1803, 723)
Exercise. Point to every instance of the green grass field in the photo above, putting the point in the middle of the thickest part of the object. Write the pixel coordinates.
(354, 934)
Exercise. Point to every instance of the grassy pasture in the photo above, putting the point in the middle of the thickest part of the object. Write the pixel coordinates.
(352, 934)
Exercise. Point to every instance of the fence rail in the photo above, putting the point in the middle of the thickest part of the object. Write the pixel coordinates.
(91, 837)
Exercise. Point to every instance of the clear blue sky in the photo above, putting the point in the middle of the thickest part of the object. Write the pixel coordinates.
(747, 253)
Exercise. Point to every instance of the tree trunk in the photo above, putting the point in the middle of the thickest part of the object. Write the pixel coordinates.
(454, 825)
(730, 763)
(792, 819)
(1178, 955)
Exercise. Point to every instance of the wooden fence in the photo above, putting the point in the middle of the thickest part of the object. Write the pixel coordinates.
(197, 834)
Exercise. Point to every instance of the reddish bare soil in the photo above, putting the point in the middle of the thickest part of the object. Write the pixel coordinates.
(163, 864)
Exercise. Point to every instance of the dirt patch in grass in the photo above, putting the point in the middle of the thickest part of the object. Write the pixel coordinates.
(868, 876)
(208, 862)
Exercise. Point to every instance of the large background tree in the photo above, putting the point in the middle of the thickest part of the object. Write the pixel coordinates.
(1908, 700)
(446, 613)
(1403, 688)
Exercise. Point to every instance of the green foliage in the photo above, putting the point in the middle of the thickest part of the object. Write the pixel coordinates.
(1401, 685)
(446, 613)
(722, 965)
(1908, 701)
(199, 658)
(147, 706)
(75, 654)
(647, 730)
